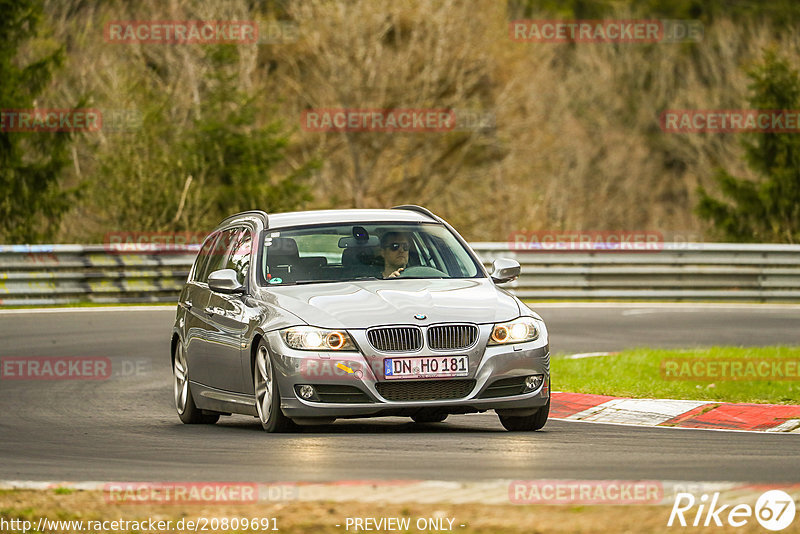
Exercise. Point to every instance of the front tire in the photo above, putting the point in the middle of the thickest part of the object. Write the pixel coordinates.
(188, 412)
(268, 398)
(527, 423)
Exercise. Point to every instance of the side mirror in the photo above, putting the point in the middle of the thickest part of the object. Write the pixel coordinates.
(505, 270)
(225, 281)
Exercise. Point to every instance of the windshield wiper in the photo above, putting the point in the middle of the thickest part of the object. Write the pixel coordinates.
(418, 278)
(357, 279)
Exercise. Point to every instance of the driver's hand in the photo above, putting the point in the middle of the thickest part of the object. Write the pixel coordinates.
(396, 273)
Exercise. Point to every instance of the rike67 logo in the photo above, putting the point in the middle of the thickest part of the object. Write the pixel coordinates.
(774, 510)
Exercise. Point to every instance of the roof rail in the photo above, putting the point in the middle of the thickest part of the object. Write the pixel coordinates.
(418, 209)
(253, 213)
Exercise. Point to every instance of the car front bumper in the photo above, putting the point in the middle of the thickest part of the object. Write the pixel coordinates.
(488, 364)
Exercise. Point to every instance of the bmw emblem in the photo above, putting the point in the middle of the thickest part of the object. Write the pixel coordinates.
(420, 316)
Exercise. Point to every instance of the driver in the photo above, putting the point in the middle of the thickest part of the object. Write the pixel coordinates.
(394, 251)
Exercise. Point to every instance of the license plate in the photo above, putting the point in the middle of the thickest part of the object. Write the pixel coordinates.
(426, 367)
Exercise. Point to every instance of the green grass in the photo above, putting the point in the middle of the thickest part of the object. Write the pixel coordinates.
(638, 373)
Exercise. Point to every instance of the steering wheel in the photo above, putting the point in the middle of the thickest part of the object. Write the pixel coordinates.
(421, 271)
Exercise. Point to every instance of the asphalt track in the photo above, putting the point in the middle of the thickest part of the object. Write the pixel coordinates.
(125, 428)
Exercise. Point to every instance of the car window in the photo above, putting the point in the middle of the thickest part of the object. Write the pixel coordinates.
(320, 244)
(218, 253)
(441, 254)
(340, 252)
(239, 258)
(203, 257)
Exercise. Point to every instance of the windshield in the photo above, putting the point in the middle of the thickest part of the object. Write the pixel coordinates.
(346, 252)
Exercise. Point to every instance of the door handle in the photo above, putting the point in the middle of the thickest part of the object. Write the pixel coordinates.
(187, 305)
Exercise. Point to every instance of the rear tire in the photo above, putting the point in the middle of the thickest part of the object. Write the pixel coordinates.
(429, 417)
(188, 412)
(527, 423)
(267, 395)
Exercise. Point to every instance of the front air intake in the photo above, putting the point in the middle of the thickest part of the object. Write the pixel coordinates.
(425, 390)
(452, 336)
(395, 339)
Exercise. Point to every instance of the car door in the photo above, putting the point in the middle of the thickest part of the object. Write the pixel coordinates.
(201, 366)
(194, 300)
(225, 316)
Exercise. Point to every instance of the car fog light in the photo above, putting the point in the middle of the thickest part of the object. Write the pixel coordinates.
(306, 391)
(533, 382)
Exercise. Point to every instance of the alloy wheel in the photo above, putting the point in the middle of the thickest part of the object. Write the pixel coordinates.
(264, 384)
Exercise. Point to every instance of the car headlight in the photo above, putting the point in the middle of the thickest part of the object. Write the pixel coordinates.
(312, 338)
(516, 331)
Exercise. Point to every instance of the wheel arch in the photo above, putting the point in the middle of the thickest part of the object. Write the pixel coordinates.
(173, 347)
(257, 339)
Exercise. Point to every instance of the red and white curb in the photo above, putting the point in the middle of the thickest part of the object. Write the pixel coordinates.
(676, 413)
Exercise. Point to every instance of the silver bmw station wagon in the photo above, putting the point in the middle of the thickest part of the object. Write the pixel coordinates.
(301, 318)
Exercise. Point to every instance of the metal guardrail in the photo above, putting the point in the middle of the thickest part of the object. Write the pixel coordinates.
(55, 274)
(59, 274)
(675, 272)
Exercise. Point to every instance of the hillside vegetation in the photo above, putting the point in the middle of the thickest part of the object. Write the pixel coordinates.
(558, 136)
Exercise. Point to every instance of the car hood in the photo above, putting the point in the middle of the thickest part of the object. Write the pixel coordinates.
(380, 302)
